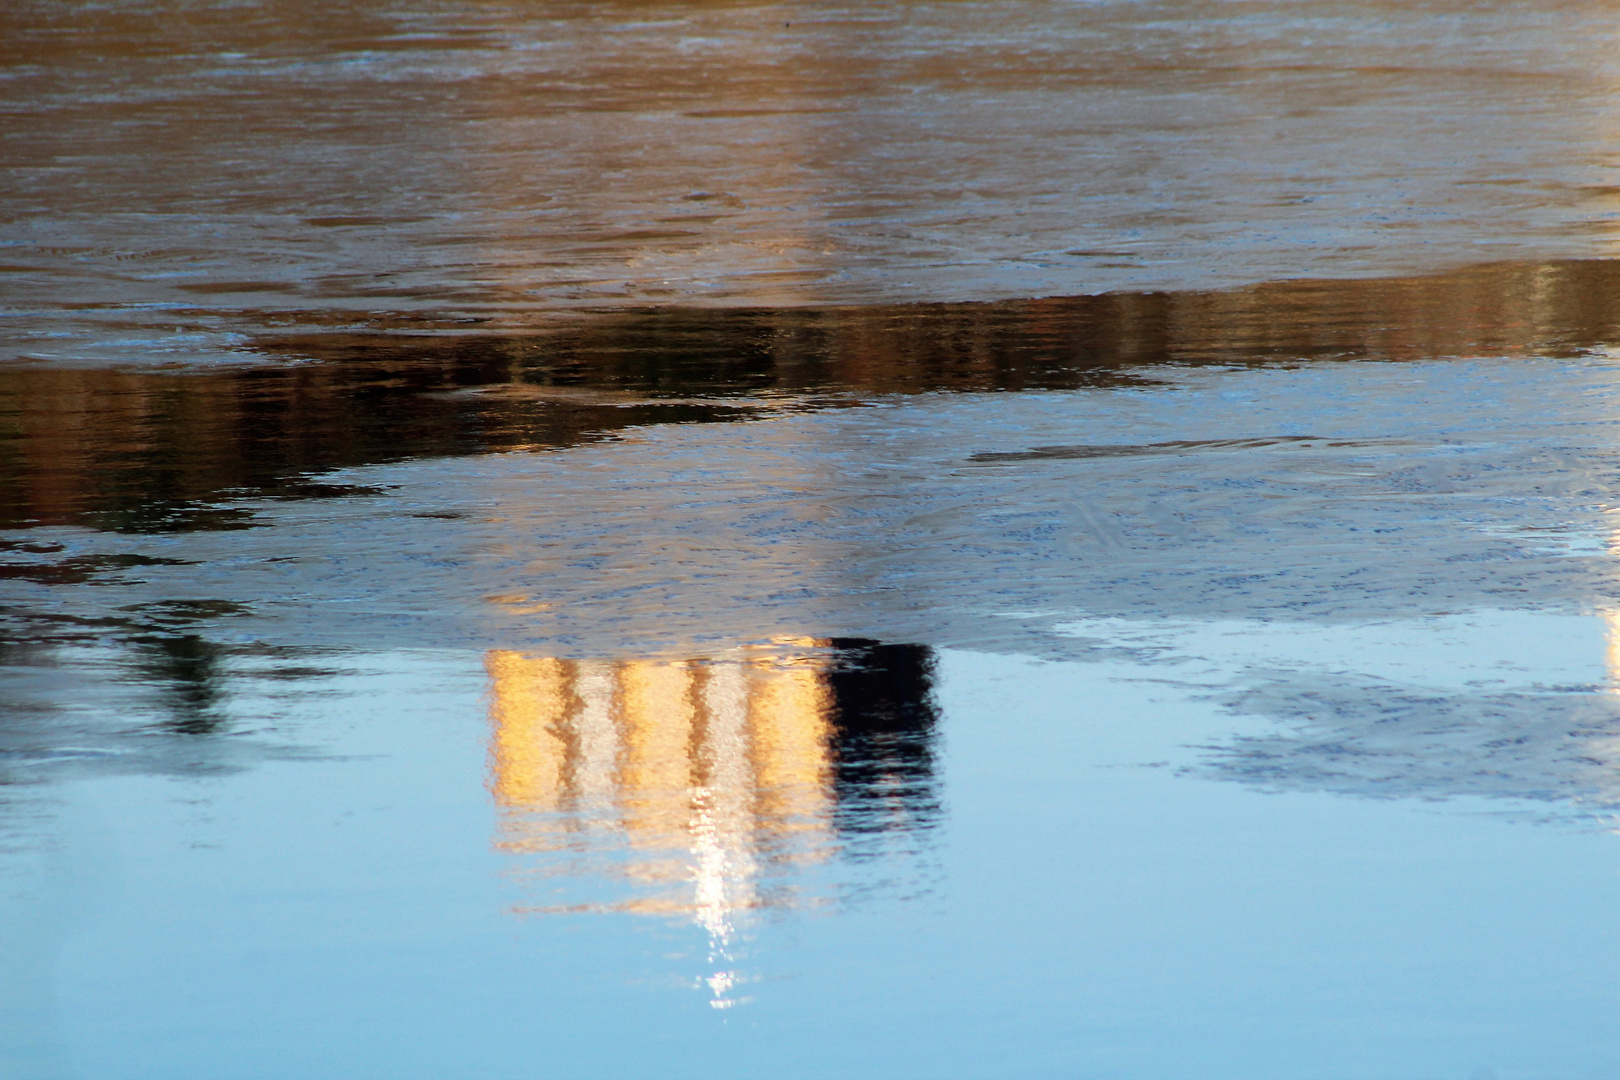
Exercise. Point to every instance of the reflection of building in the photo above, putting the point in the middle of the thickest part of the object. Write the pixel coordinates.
(710, 780)
(1611, 620)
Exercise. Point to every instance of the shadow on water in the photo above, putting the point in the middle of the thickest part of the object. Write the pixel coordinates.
(147, 451)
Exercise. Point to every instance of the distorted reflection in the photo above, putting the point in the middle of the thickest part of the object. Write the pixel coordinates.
(152, 452)
(189, 669)
(705, 785)
(448, 165)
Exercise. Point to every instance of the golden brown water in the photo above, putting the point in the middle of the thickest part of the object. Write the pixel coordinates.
(139, 451)
(179, 179)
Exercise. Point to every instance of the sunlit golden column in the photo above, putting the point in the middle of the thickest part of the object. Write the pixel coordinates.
(659, 713)
(792, 722)
(529, 702)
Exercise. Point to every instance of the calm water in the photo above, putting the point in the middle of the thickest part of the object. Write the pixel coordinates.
(942, 541)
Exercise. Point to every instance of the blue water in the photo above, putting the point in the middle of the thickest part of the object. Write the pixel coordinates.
(1086, 910)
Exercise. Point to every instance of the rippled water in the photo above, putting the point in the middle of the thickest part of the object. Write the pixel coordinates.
(957, 540)
(178, 177)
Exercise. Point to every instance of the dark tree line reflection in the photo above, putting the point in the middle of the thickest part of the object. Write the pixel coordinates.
(146, 451)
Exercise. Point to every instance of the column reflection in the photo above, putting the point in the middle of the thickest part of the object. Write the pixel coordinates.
(708, 787)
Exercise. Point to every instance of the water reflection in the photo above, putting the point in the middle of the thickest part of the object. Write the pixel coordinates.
(177, 184)
(1062, 342)
(189, 670)
(704, 787)
(154, 452)
(1557, 748)
(895, 495)
(1517, 706)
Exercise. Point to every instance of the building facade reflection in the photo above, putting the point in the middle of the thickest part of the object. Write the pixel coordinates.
(707, 787)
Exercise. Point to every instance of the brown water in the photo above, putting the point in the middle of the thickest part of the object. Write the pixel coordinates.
(139, 451)
(179, 179)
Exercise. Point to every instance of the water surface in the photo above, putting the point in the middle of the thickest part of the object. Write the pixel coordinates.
(933, 540)
(180, 177)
